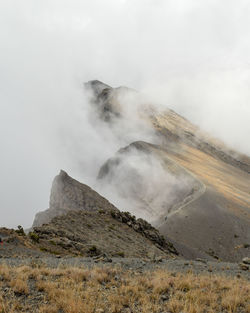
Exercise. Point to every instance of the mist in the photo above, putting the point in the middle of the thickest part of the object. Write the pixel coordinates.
(188, 55)
(139, 181)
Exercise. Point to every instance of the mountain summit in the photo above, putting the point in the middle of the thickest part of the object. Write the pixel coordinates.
(196, 191)
(190, 186)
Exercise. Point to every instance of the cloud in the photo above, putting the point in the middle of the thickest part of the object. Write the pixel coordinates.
(143, 183)
(190, 55)
(217, 101)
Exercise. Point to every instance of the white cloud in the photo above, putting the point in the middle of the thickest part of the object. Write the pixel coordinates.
(194, 54)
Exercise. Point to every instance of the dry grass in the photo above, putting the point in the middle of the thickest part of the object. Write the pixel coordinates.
(78, 290)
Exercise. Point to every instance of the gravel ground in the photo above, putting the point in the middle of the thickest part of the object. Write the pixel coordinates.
(140, 265)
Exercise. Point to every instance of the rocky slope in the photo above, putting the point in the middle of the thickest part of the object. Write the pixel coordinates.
(81, 222)
(210, 214)
(193, 188)
(102, 233)
(190, 210)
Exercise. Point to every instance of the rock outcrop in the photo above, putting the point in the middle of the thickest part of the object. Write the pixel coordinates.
(68, 194)
(147, 230)
(82, 222)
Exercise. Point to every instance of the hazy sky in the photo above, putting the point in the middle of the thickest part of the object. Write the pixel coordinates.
(191, 55)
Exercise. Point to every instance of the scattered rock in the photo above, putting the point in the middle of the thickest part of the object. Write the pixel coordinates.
(201, 260)
(164, 298)
(146, 229)
(158, 259)
(246, 260)
(243, 267)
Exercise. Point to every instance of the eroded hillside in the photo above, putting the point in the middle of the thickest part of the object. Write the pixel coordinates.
(211, 213)
(81, 222)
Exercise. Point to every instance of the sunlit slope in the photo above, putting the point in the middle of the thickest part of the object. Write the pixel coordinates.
(213, 215)
(210, 160)
(202, 217)
(230, 181)
(218, 222)
(173, 127)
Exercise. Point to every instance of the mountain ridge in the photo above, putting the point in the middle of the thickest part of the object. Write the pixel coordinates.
(191, 186)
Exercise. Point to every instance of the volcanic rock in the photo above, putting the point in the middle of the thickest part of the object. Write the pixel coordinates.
(68, 194)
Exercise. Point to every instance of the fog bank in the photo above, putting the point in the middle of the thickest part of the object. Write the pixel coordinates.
(185, 54)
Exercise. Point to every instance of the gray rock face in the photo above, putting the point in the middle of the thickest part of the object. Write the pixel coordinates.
(68, 194)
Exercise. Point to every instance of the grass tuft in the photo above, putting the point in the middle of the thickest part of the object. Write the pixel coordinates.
(108, 289)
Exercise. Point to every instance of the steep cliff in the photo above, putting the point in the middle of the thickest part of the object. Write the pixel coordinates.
(68, 194)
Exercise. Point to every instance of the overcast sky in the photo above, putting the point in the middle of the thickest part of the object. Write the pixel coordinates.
(190, 55)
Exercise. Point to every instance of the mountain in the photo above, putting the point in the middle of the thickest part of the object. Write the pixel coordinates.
(81, 222)
(201, 199)
(187, 184)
